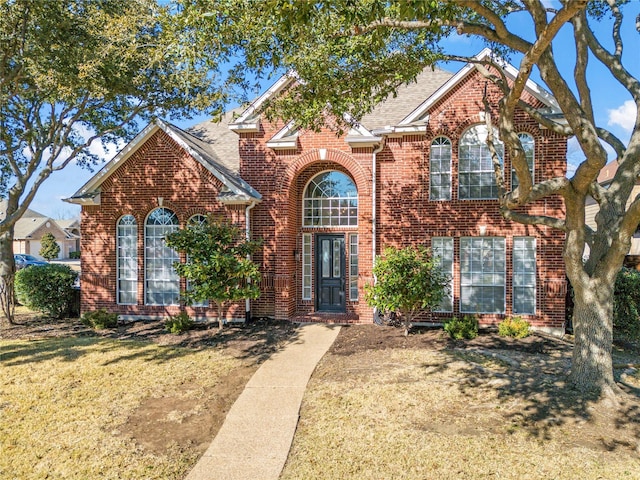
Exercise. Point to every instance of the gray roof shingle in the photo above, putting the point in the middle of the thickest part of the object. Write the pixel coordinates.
(395, 108)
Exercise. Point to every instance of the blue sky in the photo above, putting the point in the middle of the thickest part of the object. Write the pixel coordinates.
(613, 107)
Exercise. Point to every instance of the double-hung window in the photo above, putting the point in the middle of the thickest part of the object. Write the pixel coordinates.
(127, 251)
(524, 275)
(442, 247)
(482, 274)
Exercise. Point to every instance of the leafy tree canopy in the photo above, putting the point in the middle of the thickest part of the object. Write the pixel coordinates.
(73, 71)
(49, 248)
(349, 55)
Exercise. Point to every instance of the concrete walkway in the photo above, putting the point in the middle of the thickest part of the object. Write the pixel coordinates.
(254, 441)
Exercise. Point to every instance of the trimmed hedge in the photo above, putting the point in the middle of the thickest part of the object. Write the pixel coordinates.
(46, 288)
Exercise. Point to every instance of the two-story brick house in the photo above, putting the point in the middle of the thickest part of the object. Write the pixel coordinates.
(414, 170)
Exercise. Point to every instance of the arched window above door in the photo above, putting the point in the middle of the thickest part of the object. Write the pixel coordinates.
(330, 200)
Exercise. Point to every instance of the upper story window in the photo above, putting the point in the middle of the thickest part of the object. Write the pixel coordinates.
(475, 170)
(440, 169)
(330, 199)
(528, 144)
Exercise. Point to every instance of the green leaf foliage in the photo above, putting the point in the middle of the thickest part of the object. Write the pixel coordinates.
(77, 71)
(218, 265)
(408, 281)
(462, 328)
(100, 319)
(178, 324)
(49, 248)
(516, 327)
(626, 307)
(47, 288)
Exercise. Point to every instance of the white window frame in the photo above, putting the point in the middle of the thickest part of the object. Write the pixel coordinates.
(307, 262)
(164, 266)
(438, 147)
(524, 271)
(127, 258)
(353, 267)
(480, 165)
(313, 214)
(484, 270)
(530, 156)
(443, 247)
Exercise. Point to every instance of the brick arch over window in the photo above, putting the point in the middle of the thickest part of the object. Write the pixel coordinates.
(359, 175)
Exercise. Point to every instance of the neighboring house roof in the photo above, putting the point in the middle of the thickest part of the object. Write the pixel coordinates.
(210, 144)
(27, 228)
(27, 214)
(66, 223)
(607, 173)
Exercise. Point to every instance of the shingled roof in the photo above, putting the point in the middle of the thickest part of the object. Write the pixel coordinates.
(213, 145)
(394, 109)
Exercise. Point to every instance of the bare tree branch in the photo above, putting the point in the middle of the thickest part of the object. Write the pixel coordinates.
(582, 59)
(613, 63)
(527, 219)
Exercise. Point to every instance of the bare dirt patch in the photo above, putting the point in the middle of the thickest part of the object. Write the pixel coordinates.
(186, 423)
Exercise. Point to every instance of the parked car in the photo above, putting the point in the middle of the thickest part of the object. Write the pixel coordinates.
(23, 260)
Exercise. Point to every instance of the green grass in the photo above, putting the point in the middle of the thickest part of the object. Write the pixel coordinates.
(63, 404)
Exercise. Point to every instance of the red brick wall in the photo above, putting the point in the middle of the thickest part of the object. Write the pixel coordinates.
(159, 168)
(405, 215)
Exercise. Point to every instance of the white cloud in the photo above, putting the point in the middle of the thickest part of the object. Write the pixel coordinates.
(97, 148)
(623, 116)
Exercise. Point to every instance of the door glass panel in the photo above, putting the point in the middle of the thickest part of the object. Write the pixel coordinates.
(326, 259)
(336, 258)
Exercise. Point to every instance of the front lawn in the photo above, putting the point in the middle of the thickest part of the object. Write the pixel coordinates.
(75, 404)
(382, 407)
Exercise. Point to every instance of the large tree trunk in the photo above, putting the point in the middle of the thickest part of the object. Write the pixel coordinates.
(592, 367)
(7, 274)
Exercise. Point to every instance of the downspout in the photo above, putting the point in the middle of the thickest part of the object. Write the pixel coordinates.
(247, 228)
(374, 205)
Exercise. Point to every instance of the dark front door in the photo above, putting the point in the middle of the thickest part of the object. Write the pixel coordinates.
(330, 273)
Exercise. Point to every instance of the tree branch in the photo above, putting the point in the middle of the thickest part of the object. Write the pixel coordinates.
(613, 141)
(614, 64)
(527, 219)
(582, 60)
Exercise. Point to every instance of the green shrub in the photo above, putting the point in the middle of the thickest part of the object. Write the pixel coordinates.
(47, 288)
(626, 305)
(74, 255)
(100, 319)
(409, 281)
(49, 248)
(515, 327)
(465, 327)
(179, 323)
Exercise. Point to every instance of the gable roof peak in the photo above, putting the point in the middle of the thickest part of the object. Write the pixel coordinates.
(532, 87)
(198, 148)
